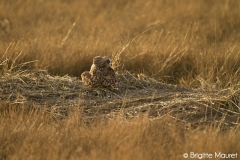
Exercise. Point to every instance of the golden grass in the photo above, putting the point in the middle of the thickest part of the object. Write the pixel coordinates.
(198, 39)
(196, 45)
(33, 134)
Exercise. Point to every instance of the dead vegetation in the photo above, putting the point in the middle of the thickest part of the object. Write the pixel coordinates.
(47, 113)
(196, 39)
(34, 135)
(138, 94)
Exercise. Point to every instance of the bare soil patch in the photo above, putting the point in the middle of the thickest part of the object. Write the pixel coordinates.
(137, 95)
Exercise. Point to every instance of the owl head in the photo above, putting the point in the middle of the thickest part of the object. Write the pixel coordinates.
(102, 62)
(5, 25)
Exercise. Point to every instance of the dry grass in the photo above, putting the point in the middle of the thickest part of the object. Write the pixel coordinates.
(31, 134)
(196, 45)
(147, 120)
(198, 39)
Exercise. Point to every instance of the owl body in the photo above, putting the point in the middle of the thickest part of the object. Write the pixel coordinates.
(101, 74)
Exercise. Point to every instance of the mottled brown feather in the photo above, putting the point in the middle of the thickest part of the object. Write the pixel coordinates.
(101, 74)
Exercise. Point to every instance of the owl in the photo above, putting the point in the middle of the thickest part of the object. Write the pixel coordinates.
(101, 74)
(5, 25)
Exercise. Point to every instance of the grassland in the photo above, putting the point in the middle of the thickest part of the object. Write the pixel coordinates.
(195, 44)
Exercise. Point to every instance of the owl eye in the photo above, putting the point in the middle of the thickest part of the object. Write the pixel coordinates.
(108, 61)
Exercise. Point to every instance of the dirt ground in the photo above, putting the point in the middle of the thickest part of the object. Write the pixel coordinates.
(138, 95)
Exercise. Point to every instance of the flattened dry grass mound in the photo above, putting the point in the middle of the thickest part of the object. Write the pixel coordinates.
(38, 86)
(138, 94)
